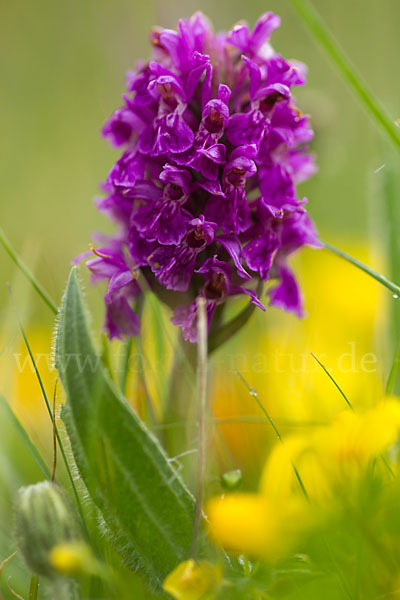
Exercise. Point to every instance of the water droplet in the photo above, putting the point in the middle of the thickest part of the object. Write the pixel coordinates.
(395, 296)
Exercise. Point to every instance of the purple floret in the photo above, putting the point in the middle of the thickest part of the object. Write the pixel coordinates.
(204, 193)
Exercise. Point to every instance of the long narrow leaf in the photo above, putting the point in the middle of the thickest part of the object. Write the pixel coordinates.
(320, 32)
(25, 438)
(26, 271)
(393, 287)
(229, 329)
(390, 198)
(49, 410)
(146, 507)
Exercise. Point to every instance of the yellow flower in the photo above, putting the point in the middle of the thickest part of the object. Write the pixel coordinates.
(358, 438)
(330, 456)
(303, 480)
(73, 558)
(279, 480)
(19, 383)
(253, 525)
(193, 581)
(242, 523)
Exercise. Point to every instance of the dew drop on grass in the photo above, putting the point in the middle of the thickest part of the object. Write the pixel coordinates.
(395, 296)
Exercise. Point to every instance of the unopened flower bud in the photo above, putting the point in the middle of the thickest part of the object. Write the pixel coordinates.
(231, 480)
(44, 518)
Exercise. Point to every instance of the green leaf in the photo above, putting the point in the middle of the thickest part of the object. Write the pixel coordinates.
(146, 507)
(349, 73)
(229, 329)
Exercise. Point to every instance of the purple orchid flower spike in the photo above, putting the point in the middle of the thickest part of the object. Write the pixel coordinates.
(218, 276)
(231, 210)
(174, 265)
(252, 43)
(110, 264)
(162, 218)
(204, 193)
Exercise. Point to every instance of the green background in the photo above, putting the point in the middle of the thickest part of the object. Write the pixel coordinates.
(63, 67)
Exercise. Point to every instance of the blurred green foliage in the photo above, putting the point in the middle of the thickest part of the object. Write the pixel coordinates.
(63, 74)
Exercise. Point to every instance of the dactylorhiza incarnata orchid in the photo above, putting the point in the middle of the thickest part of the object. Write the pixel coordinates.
(204, 193)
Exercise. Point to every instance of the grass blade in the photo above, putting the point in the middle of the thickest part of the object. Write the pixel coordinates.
(333, 381)
(393, 373)
(25, 438)
(387, 465)
(395, 289)
(320, 32)
(254, 394)
(390, 233)
(27, 272)
(60, 444)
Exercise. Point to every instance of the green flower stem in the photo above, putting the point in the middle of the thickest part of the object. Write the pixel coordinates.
(202, 420)
(320, 32)
(395, 289)
(125, 361)
(179, 405)
(151, 417)
(27, 272)
(220, 334)
(34, 588)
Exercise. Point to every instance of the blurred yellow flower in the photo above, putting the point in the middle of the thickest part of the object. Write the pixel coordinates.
(254, 525)
(331, 456)
(303, 479)
(19, 383)
(193, 581)
(279, 481)
(73, 558)
(345, 313)
(359, 437)
(243, 523)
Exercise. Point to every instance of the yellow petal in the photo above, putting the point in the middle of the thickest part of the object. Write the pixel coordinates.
(192, 581)
(73, 558)
(245, 523)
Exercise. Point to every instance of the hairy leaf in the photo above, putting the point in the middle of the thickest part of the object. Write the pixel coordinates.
(145, 505)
